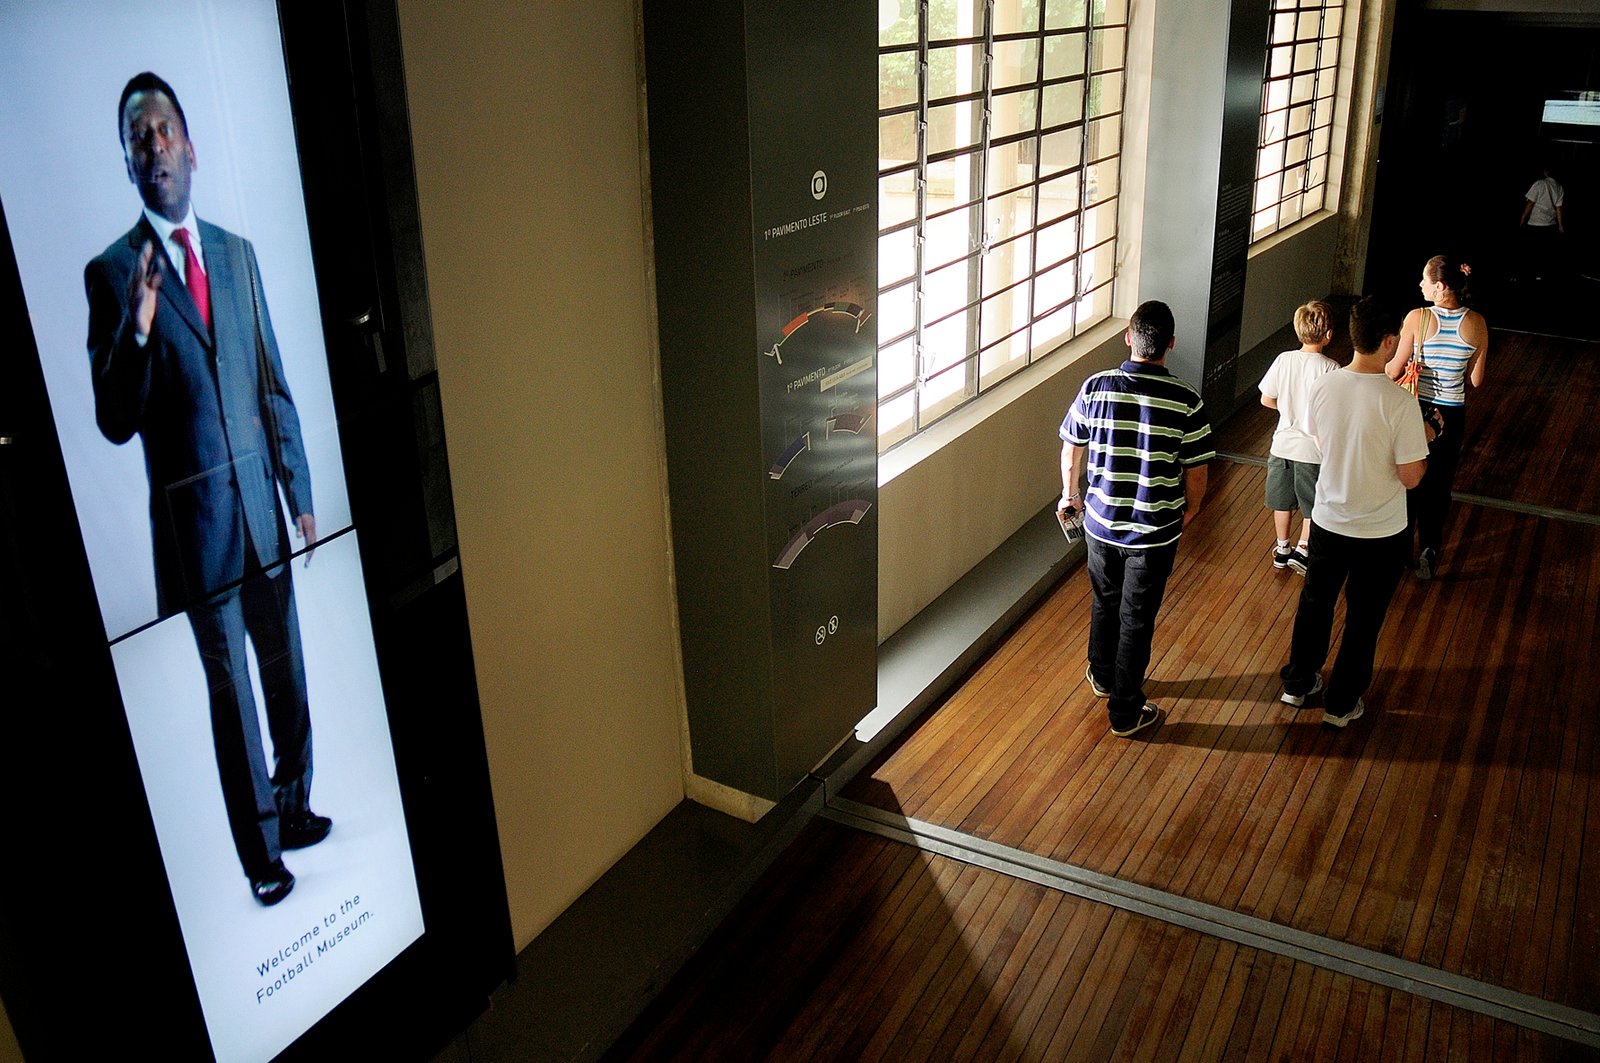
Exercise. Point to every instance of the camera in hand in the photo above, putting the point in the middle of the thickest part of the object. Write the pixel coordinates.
(1071, 524)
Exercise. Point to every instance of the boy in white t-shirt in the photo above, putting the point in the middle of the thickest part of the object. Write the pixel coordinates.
(1374, 448)
(1292, 466)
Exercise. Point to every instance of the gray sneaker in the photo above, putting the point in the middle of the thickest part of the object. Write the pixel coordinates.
(1099, 691)
(1343, 721)
(1299, 700)
(1149, 716)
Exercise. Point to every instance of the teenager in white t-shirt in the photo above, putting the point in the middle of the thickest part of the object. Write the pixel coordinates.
(1374, 447)
(1294, 457)
(1543, 225)
(1541, 208)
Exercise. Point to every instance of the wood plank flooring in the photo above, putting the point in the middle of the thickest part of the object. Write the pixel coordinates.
(1456, 826)
(858, 948)
(1450, 827)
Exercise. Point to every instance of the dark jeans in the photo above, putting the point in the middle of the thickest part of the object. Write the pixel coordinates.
(1428, 503)
(1128, 587)
(1368, 571)
(1541, 252)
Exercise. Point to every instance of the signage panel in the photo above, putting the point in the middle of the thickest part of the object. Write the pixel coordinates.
(763, 169)
(191, 398)
(813, 152)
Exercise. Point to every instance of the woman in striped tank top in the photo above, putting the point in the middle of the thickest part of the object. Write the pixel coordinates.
(1449, 342)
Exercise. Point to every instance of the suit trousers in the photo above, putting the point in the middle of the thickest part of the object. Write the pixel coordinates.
(1128, 586)
(263, 609)
(1367, 570)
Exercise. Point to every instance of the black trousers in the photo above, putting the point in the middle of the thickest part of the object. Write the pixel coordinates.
(1128, 587)
(1367, 570)
(1540, 252)
(1428, 503)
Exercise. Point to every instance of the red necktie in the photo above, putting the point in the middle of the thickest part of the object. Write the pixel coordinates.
(194, 278)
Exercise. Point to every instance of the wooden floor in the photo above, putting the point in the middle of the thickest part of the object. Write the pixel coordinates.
(1450, 827)
(857, 948)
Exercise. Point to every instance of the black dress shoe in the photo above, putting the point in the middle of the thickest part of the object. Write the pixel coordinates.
(273, 885)
(298, 830)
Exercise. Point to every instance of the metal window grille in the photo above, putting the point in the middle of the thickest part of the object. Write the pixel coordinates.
(1297, 107)
(1000, 125)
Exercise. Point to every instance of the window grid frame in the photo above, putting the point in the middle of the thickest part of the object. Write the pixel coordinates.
(1094, 29)
(1320, 107)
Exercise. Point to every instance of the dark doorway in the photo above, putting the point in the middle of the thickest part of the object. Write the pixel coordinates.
(1464, 138)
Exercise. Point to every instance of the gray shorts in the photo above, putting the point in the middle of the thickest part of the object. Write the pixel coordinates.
(1291, 485)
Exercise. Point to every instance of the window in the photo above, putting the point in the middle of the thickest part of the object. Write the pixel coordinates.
(1297, 99)
(1000, 124)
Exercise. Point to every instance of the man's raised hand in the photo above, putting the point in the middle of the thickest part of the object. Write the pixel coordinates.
(142, 288)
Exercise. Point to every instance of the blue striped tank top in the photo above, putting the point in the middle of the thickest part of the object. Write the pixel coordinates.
(1442, 378)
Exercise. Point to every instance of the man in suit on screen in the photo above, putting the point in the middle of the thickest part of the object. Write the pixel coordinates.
(183, 355)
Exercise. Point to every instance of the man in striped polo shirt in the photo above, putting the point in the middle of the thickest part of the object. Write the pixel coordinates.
(1146, 438)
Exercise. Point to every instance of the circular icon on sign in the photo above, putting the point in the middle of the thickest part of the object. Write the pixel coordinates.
(819, 185)
(822, 635)
(833, 624)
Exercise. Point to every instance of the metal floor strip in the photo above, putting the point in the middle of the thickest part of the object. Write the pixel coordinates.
(1524, 1010)
(1528, 508)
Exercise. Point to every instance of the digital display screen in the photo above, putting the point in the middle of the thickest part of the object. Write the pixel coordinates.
(153, 194)
(1572, 112)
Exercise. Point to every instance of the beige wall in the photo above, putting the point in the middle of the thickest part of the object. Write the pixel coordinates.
(525, 125)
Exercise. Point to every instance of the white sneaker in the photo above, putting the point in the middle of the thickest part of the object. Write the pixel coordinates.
(1299, 700)
(1342, 721)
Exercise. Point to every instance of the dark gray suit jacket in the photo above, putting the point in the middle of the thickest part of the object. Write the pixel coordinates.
(212, 408)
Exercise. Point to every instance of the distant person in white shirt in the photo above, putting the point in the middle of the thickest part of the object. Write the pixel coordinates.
(1295, 459)
(1374, 449)
(1543, 225)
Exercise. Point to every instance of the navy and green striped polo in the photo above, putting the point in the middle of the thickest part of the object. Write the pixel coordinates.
(1142, 427)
